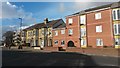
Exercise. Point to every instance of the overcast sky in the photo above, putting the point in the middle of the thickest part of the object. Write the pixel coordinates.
(35, 12)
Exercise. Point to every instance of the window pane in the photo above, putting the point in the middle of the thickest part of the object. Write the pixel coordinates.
(99, 28)
(99, 42)
(117, 41)
(115, 29)
(70, 20)
(98, 16)
(114, 15)
(56, 42)
(70, 31)
(119, 28)
(62, 42)
(118, 13)
(82, 19)
(62, 31)
(56, 33)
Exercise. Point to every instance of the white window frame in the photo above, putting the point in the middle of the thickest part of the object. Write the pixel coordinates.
(70, 31)
(99, 42)
(83, 31)
(99, 28)
(116, 29)
(62, 43)
(83, 42)
(62, 31)
(98, 16)
(42, 31)
(55, 42)
(116, 17)
(56, 33)
(70, 21)
(117, 41)
(83, 19)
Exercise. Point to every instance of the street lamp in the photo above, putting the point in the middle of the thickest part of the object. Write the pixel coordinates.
(20, 46)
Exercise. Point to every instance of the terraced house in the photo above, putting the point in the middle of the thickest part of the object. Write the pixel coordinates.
(41, 34)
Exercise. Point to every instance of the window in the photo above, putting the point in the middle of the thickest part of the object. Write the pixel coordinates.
(99, 42)
(42, 42)
(117, 41)
(56, 42)
(83, 19)
(70, 31)
(42, 31)
(62, 42)
(70, 21)
(62, 31)
(98, 16)
(116, 14)
(33, 32)
(56, 33)
(37, 32)
(99, 28)
(83, 31)
(116, 29)
(83, 42)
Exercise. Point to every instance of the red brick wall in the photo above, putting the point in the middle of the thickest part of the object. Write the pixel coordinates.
(76, 31)
(60, 37)
(106, 34)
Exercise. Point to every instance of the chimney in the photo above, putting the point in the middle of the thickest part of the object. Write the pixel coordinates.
(45, 20)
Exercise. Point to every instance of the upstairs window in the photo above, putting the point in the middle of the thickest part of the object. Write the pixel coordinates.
(56, 33)
(116, 29)
(34, 32)
(70, 31)
(83, 31)
(42, 31)
(99, 28)
(83, 19)
(62, 31)
(98, 16)
(37, 32)
(70, 21)
(116, 14)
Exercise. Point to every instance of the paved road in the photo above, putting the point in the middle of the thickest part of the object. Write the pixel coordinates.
(28, 58)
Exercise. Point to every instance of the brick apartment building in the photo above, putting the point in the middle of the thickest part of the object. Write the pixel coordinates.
(95, 27)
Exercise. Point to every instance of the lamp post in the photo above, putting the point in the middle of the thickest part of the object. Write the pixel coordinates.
(20, 45)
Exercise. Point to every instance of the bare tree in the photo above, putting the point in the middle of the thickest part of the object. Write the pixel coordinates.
(8, 38)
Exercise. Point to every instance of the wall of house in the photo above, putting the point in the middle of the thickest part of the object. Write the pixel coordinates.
(76, 31)
(60, 37)
(107, 30)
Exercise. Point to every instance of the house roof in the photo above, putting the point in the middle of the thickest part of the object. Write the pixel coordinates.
(112, 5)
(42, 25)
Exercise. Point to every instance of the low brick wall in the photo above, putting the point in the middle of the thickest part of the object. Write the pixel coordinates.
(96, 51)
(50, 48)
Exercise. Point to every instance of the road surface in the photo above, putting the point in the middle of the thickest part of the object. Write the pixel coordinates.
(30, 58)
